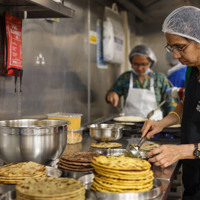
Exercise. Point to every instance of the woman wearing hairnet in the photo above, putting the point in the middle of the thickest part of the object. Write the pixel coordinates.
(143, 89)
(182, 32)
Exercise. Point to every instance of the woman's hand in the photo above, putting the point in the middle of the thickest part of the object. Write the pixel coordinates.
(113, 98)
(166, 155)
(151, 127)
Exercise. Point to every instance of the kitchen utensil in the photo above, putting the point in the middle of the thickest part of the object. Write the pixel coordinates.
(105, 132)
(35, 140)
(120, 111)
(134, 151)
(152, 112)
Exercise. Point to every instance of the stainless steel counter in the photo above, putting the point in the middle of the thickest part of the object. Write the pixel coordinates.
(165, 175)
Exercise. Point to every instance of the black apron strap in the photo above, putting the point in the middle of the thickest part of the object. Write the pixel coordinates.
(190, 134)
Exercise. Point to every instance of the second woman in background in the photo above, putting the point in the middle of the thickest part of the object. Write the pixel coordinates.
(143, 88)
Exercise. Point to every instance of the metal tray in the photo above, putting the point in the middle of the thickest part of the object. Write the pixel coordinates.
(91, 195)
(118, 152)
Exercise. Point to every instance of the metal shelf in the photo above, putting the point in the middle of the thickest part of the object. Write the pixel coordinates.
(37, 8)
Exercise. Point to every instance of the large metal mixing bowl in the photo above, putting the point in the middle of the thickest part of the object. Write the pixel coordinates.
(35, 140)
(105, 132)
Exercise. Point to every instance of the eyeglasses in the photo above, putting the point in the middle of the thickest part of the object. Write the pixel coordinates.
(177, 50)
(141, 64)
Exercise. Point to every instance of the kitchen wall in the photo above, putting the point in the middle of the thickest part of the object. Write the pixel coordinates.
(60, 67)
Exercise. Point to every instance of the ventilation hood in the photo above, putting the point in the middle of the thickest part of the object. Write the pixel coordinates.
(37, 8)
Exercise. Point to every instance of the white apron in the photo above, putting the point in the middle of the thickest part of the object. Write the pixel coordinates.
(140, 102)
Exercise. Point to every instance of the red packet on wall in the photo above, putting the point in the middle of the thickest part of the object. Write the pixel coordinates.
(13, 47)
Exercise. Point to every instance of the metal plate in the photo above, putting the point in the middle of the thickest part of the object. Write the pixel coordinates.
(118, 152)
(91, 195)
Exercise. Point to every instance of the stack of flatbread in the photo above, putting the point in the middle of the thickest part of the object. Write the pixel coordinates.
(147, 146)
(73, 137)
(106, 145)
(14, 173)
(50, 188)
(80, 161)
(118, 174)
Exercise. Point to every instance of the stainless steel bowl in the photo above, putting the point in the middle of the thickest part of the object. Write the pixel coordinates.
(105, 132)
(32, 140)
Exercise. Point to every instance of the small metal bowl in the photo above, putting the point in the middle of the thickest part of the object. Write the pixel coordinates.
(105, 132)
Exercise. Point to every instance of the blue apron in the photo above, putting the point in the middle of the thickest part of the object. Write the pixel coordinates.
(190, 129)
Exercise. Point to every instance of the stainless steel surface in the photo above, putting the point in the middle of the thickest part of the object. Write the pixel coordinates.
(6, 188)
(76, 85)
(64, 46)
(105, 132)
(32, 140)
(152, 112)
(152, 194)
(118, 152)
(10, 195)
(37, 8)
(53, 172)
(111, 151)
(87, 180)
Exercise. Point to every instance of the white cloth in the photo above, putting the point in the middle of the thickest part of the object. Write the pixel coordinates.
(140, 102)
(175, 68)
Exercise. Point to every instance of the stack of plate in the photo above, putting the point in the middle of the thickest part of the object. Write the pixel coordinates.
(50, 188)
(80, 161)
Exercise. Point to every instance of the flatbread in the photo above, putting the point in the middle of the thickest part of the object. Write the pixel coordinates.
(121, 163)
(74, 138)
(125, 123)
(50, 188)
(75, 163)
(74, 166)
(127, 175)
(61, 166)
(174, 126)
(14, 173)
(148, 146)
(80, 156)
(106, 145)
(120, 174)
(130, 119)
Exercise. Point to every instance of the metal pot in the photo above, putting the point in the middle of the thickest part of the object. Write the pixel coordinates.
(32, 140)
(105, 132)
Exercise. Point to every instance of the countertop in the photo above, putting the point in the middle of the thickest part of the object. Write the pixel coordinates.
(165, 175)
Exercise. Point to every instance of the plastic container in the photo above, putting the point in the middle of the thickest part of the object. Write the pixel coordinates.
(74, 136)
(74, 118)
